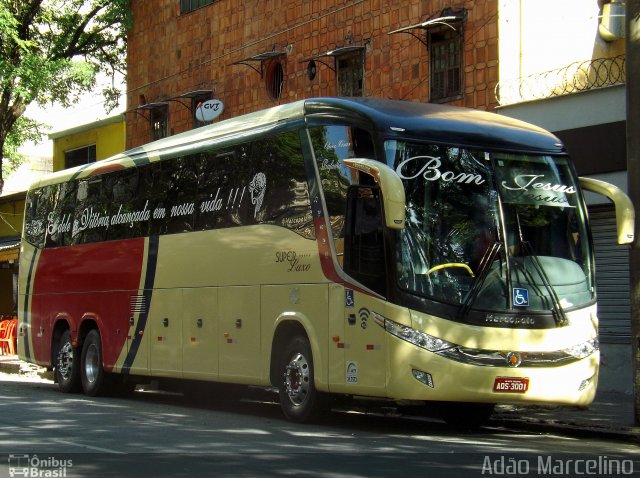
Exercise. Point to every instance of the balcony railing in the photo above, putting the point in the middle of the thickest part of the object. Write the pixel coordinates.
(578, 76)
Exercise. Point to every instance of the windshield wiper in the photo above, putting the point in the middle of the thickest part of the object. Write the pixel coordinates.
(558, 312)
(483, 271)
(527, 249)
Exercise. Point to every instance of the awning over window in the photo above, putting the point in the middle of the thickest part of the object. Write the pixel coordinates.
(153, 106)
(335, 53)
(196, 93)
(447, 18)
(9, 250)
(260, 57)
(345, 50)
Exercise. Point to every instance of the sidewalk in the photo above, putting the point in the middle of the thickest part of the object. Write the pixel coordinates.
(11, 364)
(610, 416)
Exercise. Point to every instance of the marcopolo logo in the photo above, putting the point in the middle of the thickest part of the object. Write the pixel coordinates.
(38, 467)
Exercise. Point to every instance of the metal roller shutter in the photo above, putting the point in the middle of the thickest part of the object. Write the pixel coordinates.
(612, 277)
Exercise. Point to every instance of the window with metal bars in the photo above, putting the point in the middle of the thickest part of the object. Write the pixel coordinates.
(187, 6)
(350, 74)
(159, 120)
(445, 53)
(274, 79)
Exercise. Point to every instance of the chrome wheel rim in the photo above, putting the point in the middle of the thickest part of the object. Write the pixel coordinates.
(297, 378)
(65, 360)
(91, 363)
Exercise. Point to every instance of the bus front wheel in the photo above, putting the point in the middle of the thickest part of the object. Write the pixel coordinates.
(92, 374)
(299, 399)
(67, 365)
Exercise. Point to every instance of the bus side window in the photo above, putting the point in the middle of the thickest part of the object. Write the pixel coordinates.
(332, 144)
(36, 217)
(364, 258)
(173, 191)
(122, 192)
(60, 214)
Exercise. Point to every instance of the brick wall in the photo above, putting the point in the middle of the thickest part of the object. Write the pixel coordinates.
(171, 54)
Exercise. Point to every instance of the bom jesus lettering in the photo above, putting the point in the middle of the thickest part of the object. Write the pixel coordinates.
(431, 171)
(530, 187)
(527, 182)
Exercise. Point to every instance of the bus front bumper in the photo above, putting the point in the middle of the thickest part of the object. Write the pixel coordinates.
(419, 374)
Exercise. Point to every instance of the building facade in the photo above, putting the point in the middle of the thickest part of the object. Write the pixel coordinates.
(255, 54)
(12, 214)
(89, 142)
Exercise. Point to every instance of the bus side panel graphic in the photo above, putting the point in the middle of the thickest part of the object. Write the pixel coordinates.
(64, 289)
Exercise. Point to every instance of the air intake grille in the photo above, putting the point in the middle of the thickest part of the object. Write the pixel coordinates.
(138, 304)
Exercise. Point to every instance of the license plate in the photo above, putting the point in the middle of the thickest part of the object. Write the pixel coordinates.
(511, 385)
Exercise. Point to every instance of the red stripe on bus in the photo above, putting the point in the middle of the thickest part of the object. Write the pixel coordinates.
(89, 280)
(324, 249)
(326, 259)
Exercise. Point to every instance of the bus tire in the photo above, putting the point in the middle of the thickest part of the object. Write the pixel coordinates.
(94, 378)
(299, 399)
(466, 416)
(67, 364)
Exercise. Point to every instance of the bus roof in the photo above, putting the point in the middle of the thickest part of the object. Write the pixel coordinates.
(442, 124)
(393, 118)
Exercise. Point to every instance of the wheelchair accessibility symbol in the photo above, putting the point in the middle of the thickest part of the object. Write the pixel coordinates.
(520, 297)
(348, 298)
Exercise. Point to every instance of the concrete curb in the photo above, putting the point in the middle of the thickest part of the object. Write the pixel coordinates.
(11, 364)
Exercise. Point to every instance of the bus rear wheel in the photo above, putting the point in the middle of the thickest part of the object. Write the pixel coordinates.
(299, 399)
(67, 365)
(92, 374)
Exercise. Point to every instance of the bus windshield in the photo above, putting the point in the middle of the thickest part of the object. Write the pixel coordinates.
(491, 231)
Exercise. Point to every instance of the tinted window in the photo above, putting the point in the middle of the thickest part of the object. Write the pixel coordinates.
(262, 182)
(331, 146)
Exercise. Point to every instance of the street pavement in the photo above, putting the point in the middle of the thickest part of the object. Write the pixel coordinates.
(610, 416)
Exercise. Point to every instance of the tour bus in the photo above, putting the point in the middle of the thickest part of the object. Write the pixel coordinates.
(330, 247)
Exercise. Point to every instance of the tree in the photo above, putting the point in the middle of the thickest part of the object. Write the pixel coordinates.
(51, 51)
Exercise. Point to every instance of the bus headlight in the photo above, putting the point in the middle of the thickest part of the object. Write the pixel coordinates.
(413, 336)
(583, 349)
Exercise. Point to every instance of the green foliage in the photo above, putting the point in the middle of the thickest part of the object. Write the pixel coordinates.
(51, 51)
(24, 129)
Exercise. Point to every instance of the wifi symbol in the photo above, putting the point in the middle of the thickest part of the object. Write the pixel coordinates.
(364, 317)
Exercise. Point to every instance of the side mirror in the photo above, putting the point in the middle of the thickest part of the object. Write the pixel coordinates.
(625, 212)
(393, 198)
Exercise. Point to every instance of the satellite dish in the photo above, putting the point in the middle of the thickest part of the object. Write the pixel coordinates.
(311, 70)
(209, 110)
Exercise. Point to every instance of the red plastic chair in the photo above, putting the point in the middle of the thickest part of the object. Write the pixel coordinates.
(4, 328)
(8, 336)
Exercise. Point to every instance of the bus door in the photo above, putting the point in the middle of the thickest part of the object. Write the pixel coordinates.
(364, 260)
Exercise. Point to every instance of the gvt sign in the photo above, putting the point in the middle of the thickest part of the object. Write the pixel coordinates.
(209, 110)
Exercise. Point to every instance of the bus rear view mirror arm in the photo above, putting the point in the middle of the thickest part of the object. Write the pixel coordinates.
(391, 186)
(625, 213)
